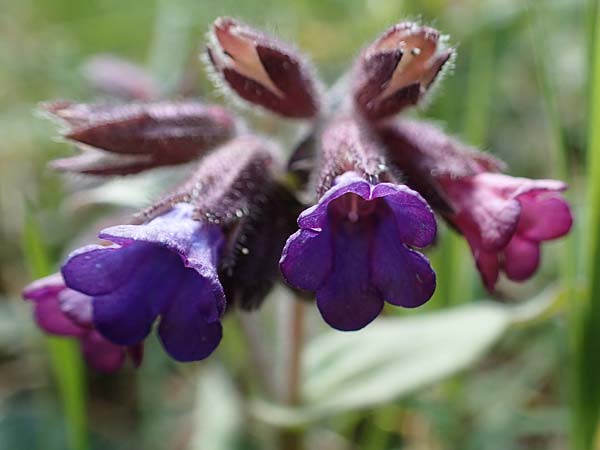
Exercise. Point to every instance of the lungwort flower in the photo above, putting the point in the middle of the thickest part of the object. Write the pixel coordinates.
(61, 311)
(504, 219)
(354, 246)
(168, 266)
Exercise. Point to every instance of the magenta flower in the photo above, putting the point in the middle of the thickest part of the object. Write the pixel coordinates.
(62, 311)
(166, 268)
(353, 250)
(505, 219)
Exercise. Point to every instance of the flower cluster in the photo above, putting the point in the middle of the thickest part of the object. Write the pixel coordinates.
(220, 239)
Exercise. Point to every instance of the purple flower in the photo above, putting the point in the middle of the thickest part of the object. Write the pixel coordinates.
(62, 311)
(353, 250)
(166, 267)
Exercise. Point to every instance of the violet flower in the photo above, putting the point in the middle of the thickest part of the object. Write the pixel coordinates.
(61, 311)
(353, 246)
(504, 219)
(166, 267)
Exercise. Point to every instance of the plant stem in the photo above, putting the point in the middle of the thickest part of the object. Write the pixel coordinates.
(293, 439)
(294, 373)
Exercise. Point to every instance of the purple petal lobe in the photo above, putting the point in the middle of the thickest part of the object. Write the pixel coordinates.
(125, 315)
(98, 270)
(403, 276)
(348, 301)
(188, 329)
(307, 259)
(415, 219)
(350, 182)
(76, 306)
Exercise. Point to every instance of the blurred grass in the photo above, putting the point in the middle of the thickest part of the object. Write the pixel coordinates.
(586, 411)
(65, 354)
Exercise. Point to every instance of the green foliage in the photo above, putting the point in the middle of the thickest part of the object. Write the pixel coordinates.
(65, 355)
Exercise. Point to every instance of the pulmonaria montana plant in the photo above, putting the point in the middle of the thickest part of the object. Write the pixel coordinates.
(220, 239)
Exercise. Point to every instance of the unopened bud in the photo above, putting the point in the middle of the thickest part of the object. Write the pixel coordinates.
(140, 136)
(397, 70)
(262, 70)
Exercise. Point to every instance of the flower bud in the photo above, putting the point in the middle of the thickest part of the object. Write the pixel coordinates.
(262, 70)
(139, 136)
(120, 78)
(398, 69)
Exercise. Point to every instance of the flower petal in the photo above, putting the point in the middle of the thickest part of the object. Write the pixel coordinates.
(316, 216)
(102, 355)
(307, 259)
(403, 276)
(76, 306)
(51, 319)
(99, 270)
(488, 266)
(415, 219)
(347, 300)
(125, 315)
(521, 258)
(45, 287)
(197, 244)
(188, 329)
(545, 216)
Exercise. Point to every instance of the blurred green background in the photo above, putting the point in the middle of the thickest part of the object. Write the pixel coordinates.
(519, 373)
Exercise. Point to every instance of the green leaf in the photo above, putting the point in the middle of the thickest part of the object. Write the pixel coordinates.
(218, 411)
(394, 357)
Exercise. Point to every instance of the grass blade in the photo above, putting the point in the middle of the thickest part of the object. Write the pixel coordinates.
(586, 398)
(65, 356)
